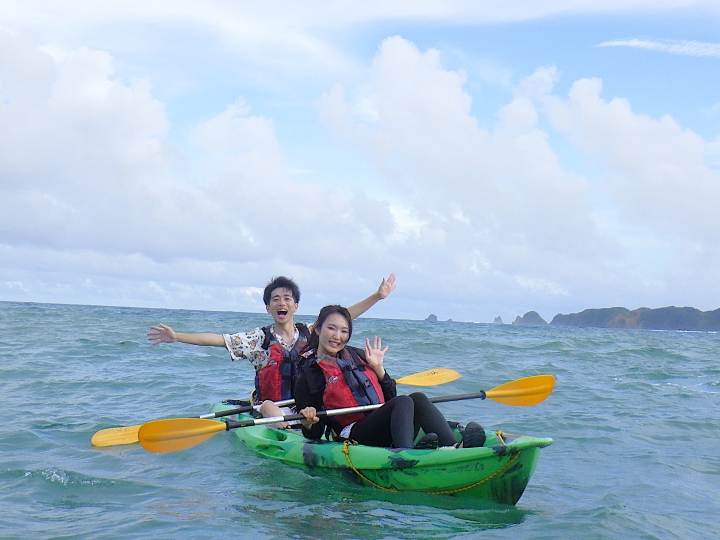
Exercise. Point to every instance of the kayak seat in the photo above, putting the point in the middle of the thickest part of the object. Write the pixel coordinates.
(275, 435)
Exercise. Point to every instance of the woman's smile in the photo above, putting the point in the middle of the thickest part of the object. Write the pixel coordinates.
(333, 335)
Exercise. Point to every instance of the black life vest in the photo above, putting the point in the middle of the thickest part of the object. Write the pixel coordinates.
(276, 379)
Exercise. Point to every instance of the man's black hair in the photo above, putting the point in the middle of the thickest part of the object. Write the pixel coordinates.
(281, 282)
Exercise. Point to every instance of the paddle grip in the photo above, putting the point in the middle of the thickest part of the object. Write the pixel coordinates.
(244, 409)
(229, 412)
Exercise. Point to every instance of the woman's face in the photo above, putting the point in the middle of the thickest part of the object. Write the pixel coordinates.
(333, 335)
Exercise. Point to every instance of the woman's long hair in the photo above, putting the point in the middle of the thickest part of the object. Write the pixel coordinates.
(325, 312)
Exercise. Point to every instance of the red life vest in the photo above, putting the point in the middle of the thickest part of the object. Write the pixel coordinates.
(349, 382)
(276, 379)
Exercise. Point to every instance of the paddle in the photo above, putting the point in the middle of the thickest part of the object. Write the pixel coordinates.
(181, 433)
(129, 434)
(430, 377)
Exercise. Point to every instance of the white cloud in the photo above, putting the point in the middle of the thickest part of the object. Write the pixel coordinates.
(255, 19)
(76, 145)
(540, 285)
(94, 196)
(685, 47)
(89, 172)
(88, 167)
(713, 154)
(525, 218)
(660, 175)
(17, 285)
(282, 41)
(507, 181)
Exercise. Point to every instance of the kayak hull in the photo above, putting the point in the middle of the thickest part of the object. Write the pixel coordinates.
(498, 471)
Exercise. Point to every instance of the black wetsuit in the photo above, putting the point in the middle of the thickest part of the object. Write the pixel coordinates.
(396, 423)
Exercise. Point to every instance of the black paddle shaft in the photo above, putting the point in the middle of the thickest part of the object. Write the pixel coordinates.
(229, 424)
(478, 395)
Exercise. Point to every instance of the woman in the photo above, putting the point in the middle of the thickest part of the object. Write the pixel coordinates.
(338, 376)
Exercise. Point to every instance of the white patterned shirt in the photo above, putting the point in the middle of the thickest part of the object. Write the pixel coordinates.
(248, 346)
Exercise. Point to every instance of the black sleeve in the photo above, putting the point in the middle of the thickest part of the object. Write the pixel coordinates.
(304, 397)
(388, 386)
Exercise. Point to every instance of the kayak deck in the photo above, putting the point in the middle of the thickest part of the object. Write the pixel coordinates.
(499, 471)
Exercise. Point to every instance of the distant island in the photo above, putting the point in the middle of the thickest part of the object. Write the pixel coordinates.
(433, 318)
(666, 318)
(531, 318)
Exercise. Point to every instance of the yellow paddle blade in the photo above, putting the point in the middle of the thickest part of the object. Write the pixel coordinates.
(430, 377)
(523, 392)
(177, 433)
(116, 435)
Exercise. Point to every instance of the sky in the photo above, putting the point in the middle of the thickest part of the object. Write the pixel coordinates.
(499, 157)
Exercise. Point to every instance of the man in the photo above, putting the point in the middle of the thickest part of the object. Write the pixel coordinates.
(273, 350)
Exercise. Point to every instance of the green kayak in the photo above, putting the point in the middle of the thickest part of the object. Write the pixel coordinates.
(499, 471)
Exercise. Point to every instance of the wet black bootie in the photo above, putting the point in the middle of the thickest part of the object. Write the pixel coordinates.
(429, 441)
(473, 436)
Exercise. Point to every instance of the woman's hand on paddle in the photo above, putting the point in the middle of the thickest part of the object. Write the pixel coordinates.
(161, 334)
(386, 287)
(310, 414)
(374, 356)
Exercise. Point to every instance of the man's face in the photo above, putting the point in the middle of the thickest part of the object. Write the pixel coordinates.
(282, 305)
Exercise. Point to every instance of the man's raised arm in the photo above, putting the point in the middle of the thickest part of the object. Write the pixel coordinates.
(385, 288)
(165, 334)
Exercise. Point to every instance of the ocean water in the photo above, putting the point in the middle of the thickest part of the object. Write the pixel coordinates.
(634, 415)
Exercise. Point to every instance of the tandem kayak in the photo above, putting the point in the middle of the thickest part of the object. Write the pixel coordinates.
(499, 471)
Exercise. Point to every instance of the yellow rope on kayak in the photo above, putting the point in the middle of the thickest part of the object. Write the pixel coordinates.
(480, 482)
(346, 451)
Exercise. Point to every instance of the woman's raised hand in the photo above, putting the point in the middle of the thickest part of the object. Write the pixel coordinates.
(374, 355)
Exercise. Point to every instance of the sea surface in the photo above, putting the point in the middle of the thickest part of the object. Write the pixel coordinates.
(634, 417)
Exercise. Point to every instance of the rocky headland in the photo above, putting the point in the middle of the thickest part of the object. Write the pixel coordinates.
(666, 318)
(531, 318)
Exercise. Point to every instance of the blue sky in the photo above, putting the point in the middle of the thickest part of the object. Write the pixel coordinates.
(498, 157)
